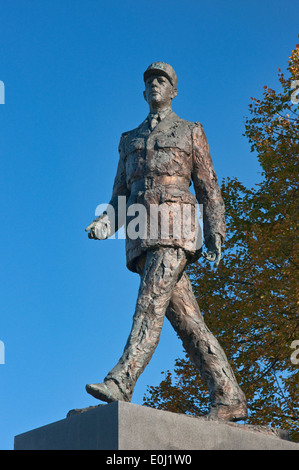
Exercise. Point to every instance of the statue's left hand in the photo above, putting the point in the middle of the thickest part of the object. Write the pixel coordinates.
(214, 249)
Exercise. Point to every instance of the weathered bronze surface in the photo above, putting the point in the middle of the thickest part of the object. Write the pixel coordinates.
(158, 161)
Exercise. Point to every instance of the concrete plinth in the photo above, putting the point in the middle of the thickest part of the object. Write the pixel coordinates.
(125, 426)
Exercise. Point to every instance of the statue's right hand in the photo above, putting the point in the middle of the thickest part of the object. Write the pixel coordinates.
(99, 229)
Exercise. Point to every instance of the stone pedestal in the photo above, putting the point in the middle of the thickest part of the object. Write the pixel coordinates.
(125, 426)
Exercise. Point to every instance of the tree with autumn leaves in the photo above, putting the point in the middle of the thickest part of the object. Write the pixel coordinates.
(250, 301)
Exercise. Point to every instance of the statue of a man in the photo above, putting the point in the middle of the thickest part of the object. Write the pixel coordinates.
(158, 161)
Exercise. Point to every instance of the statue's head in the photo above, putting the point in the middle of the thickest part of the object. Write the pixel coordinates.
(160, 85)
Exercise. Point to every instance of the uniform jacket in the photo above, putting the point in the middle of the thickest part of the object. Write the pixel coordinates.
(156, 168)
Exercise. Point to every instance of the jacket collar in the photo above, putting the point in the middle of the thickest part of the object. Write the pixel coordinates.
(166, 121)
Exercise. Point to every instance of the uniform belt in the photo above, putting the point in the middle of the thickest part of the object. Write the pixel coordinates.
(151, 182)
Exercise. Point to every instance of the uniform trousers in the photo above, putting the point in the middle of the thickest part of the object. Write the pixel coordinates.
(165, 290)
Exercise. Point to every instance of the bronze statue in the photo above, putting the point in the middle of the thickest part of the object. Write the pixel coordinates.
(158, 161)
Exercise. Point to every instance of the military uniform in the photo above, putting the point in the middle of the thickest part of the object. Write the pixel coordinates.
(156, 167)
(157, 164)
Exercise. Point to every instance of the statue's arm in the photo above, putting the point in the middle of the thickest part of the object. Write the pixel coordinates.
(119, 188)
(208, 194)
(114, 217)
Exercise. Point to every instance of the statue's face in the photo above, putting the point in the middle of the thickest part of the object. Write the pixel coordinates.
(159, 92)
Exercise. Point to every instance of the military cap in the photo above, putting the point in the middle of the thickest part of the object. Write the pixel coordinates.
(163, 69)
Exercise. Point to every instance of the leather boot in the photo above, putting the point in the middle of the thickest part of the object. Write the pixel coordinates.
(231, 412)
(107, 391)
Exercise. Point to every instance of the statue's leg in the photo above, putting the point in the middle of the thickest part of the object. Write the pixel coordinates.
(161, 272)
(227, 400)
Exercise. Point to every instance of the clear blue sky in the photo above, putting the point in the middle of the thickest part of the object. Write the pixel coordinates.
(72, 71)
